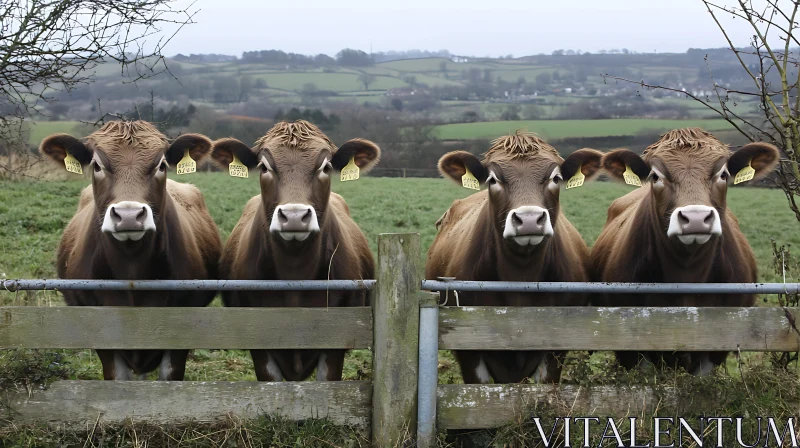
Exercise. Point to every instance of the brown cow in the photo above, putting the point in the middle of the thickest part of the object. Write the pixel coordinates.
(677, 228)
(296, 229)
(133, 223)
(512, 232)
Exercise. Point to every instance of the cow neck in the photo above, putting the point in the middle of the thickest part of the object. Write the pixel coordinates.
(508, 264)
(674, 262)
(293, 261)
(149, 257)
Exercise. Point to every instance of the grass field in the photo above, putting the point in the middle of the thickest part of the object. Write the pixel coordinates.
(33, 214)
(557, 129)
(42, 129)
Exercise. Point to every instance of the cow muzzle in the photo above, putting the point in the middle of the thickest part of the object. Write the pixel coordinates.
(294, 222)
(528, 226)
(694, 224)
(128, 220)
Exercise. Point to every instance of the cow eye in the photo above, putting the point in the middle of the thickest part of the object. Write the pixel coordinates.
(97, 168)
(654, 177)
(327, 168)
(724, 176)
(163, 167)
(556, 179)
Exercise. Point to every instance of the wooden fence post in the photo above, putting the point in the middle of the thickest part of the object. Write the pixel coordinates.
(396, 339)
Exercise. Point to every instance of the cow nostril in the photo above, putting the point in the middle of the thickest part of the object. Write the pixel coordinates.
(682, 219)
(142, 215)
(516, 220)
(306, 217)
(709, 219)
(540, 220)
(115, 218)
(281, 217)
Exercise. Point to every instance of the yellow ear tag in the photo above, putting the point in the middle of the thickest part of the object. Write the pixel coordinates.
(576, 180)
(745, 174)
(72, 164)
(187, 165)
(238, 169)
(350, 171)
(630, 178)
(468, 180)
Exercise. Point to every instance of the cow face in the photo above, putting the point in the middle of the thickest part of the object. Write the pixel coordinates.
(128, 162)
(689, 179)
(295, 162)
(523, 191)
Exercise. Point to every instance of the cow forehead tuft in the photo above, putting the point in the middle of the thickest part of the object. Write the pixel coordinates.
(695, 141)
(520, 145)
(296, 135)
(139, 136)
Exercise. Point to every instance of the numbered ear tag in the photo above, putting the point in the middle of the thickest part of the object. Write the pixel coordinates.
(187, 165)
(576, 180)
(745, 174)
(630, 178)
(72, 164)
(350, 171)
(468, 180)
(238, 169)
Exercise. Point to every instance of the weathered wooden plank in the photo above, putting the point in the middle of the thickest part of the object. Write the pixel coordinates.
(491, 405)
(396, 345)
(79, 402)
(591, 328)
(176, 328)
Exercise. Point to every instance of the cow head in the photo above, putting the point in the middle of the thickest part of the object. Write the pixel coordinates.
(128, 162)
(689, 171)
(295, 163)
(524, 177)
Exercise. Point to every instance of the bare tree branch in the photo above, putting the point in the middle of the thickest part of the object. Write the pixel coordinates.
(49, 46)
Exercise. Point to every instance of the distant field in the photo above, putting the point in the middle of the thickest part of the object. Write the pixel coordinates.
(336, 82)
(42, 129)
(557, 129)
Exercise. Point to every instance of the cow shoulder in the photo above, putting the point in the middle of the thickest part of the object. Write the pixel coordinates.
(612, 248)
(197, 226)
(575, 251)
(457, 229)
(351, 242)
(235, 250)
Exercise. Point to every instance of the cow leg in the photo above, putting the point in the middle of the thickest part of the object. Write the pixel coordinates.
(549, 369)
(173, 365)
(114, 365)
(701, 363)
(473, 367)
(265, 366)
(330, 365)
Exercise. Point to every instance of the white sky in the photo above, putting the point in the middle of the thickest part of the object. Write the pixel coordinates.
(468, 27)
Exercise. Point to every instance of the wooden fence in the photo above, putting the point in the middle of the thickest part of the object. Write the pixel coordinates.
(386, 406)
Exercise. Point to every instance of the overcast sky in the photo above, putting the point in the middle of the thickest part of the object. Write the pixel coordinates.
(464, 27)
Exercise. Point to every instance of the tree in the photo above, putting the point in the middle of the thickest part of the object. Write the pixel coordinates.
(367, 79)
(443, 68)
(51, 46)
(353, 58)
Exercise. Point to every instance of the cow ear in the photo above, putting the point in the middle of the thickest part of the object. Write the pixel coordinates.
(588, 160)
(225, 148)
(455, 164)
(364, 153)
(198, 146)
(761, 156)
(617, 161)
(57, 146)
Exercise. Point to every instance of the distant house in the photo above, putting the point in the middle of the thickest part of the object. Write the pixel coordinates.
(459, 59)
